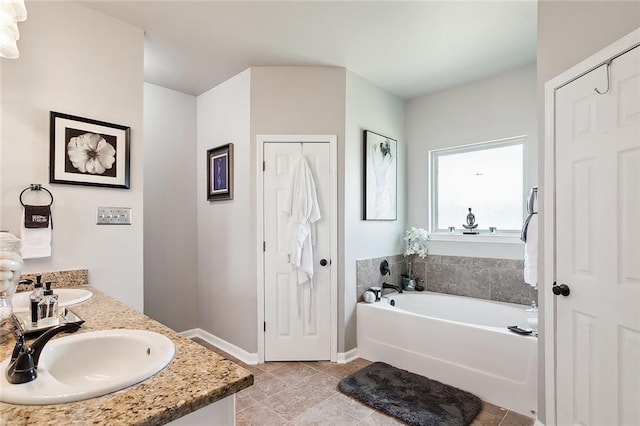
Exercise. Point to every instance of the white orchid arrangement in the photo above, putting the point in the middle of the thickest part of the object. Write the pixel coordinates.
(416, 239)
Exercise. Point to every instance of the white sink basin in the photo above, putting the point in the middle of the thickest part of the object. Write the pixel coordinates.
(87, 365)
(66, 297)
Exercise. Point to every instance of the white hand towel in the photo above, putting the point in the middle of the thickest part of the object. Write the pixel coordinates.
(530, 238)
(531, 253)
(36, 242)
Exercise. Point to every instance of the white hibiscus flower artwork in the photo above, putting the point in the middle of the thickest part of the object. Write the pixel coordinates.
(91, 153)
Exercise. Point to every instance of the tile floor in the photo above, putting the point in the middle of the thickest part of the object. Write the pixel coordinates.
(306, 393)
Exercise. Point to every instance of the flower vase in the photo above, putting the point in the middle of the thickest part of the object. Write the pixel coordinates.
(409, 280)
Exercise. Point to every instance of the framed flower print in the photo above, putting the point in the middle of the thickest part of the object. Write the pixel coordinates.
(88, 152)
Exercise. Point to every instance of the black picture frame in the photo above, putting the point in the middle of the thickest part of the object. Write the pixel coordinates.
(220, 173)
(88, 152)
(380, 177)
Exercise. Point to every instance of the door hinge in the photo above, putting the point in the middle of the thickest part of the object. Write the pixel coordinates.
(264, 166)
(264, 246)
(265, 325)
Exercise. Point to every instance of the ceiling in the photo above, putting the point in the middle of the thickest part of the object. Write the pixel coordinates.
(409, 48)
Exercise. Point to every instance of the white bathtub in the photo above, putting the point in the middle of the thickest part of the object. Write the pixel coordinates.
(460, 341)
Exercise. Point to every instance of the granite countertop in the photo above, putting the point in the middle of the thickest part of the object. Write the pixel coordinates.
(194, 379)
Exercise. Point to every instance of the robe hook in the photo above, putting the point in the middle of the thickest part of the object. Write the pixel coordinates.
(608, 63)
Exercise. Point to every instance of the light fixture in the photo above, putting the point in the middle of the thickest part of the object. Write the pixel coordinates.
(11, 12)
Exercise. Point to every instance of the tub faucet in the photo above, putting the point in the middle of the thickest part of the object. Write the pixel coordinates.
(393, 286)
(23, 366)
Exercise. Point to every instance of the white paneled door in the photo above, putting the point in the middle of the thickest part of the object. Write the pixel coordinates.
(598, 246)
(297, 318)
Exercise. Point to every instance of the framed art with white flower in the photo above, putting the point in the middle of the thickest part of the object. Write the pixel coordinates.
(88, 152)
(220, 173)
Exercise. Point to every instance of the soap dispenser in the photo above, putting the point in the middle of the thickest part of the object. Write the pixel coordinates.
(34, 298)
(48, 307)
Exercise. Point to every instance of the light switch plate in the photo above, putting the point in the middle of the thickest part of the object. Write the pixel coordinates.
(113, 216)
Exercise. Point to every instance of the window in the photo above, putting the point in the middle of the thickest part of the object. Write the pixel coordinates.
(487, 177)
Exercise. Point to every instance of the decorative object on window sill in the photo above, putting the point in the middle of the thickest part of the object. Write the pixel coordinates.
(380, 177)
(471, 224)
(88, 152)
(11, 12)
(493, 230)
(416, 239)
(452, 229)
(220, 173)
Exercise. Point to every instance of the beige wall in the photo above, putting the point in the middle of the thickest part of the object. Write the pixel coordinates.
(76, 61)
(569, 32)
(501, 106)
(301, 100)
(288, 100)
(170, 247)
(368, 107)
(269, 100)
(226, 294)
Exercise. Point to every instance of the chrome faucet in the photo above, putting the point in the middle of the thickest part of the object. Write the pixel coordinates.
(393, 286)
(23, 366)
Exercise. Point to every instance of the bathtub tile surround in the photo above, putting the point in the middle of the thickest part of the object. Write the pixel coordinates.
(368, 272)
(508, 285)
(483, 278)
(68, 278)
(459, 279)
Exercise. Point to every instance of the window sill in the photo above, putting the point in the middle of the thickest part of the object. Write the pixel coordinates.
(503, 238)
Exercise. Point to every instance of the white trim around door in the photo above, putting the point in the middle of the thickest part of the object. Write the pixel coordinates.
(333, 148)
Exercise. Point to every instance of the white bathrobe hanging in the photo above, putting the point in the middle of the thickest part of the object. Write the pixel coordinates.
(303, 212)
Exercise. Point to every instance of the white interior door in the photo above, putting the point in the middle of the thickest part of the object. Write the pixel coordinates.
(598, 246)
(297, 319)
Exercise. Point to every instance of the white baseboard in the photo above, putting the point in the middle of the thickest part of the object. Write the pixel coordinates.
(538, 423)
(248, 357)
(189, 334)
(345, 357)
(230, 348)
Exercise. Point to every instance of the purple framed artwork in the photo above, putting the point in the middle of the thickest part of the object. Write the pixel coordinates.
(220, 173)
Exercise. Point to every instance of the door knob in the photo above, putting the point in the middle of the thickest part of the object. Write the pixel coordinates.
(323, 262)
(561, 289)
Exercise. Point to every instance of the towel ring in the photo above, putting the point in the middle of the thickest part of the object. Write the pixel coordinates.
(36, 187)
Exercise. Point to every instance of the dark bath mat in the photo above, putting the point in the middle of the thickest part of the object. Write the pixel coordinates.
(411, 398)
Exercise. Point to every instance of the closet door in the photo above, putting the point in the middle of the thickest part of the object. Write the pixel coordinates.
(297, 318)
